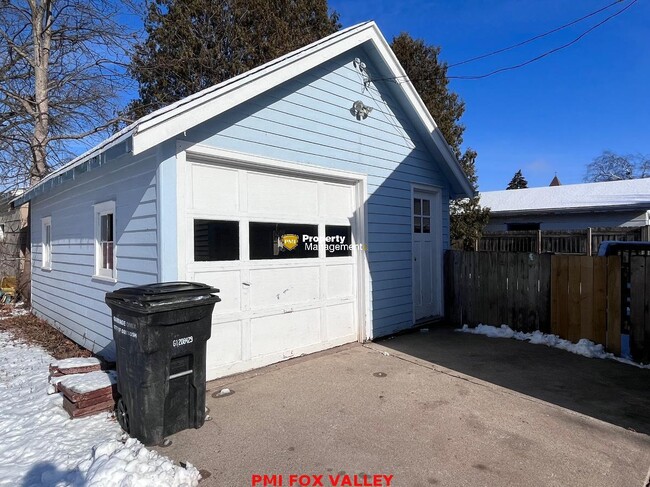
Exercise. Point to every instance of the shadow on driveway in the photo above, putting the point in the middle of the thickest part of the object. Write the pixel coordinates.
(603, 389)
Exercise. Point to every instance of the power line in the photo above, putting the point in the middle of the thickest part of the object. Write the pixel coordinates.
(532, 39)
(536, 58)
(548, 53)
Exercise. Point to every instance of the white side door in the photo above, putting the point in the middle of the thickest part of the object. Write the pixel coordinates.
(426, 255)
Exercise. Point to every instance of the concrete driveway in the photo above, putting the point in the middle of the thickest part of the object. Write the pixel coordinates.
(437, 408)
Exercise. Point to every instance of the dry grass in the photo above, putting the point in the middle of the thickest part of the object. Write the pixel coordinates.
(30, 329)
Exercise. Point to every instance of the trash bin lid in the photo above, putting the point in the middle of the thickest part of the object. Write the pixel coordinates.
(162, 291)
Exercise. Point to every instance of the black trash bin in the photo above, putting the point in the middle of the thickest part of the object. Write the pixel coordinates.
(160, 332)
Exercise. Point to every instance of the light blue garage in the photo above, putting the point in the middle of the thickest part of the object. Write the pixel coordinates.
(313, 191)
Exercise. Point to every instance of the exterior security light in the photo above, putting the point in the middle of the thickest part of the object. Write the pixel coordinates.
(360, 110)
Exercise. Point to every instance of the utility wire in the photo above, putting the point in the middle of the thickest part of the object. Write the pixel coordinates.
(548, 53)
(532, 39)
(536, 58)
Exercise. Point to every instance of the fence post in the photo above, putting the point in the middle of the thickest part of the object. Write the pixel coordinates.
(588, 246)
(614, 310)
(539, 241)
(645, 233)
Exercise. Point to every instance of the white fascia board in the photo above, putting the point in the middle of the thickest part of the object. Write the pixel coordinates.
(422, 112)
(158, 129)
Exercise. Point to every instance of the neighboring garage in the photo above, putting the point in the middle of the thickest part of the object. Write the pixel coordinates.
(313, 191)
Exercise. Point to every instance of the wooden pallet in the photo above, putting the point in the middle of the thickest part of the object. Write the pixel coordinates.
(85, 408)
(79, 403)
(56, 371)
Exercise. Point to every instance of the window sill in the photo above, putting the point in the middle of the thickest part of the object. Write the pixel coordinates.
(110, 280)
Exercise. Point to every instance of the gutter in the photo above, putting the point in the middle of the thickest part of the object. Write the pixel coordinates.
(88, 161)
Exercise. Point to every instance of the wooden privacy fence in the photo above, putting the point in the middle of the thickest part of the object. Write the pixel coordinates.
(586, 299)
(498, 288)
(568, 295)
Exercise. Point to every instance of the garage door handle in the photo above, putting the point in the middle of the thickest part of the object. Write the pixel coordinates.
(246, 283)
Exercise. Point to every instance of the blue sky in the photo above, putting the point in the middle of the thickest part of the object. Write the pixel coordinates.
(554, 115)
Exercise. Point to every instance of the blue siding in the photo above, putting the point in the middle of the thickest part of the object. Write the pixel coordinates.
(67, 295)
(308, 120)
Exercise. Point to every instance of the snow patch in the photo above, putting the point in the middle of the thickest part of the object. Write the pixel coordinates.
(87, 382)
(41, 445)
(75, 362)
(583, 347)
(17, 310)
(131, 463)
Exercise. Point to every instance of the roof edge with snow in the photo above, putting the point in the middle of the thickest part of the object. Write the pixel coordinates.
(623, 195)
(169, 121)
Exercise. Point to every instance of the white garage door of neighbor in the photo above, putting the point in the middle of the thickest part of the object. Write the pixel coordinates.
(253, 235)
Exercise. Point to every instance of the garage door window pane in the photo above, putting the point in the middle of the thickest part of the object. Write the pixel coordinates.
(216, 240)
(338, 240)
(282, 241)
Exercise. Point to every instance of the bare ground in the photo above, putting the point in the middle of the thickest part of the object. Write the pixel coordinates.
(35, 331)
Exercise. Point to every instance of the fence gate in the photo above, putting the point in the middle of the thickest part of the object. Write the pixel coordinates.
(586, 299)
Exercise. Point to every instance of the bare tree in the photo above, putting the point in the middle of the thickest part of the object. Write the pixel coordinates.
(62, 73)
(610, 166)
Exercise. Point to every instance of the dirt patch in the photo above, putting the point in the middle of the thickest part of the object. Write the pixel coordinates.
(30, 329)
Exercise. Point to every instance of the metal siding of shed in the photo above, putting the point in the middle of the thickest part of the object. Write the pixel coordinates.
(68, 296)
(308, 120)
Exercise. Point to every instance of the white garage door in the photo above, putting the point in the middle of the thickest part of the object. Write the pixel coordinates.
(269, 243)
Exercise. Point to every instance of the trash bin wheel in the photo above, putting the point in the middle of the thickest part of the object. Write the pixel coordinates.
(122, 415)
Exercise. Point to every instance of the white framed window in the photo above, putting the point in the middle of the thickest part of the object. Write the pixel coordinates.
(105, 263)
(46, 243)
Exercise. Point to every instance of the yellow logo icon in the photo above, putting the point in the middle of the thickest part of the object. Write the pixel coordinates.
(289, 241)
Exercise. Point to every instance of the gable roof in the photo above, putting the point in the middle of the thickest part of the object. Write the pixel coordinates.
(184, 114)
(605, 196)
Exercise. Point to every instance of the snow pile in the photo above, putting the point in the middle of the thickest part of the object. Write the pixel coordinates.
(41, 445)
(131, 464)
(584, 347)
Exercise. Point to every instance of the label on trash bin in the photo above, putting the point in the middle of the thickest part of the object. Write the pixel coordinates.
(121, 326)
(179, 342)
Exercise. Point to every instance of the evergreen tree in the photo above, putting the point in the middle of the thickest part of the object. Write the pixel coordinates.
(518, 181)
(429, 76)
(194, 44)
